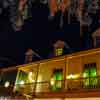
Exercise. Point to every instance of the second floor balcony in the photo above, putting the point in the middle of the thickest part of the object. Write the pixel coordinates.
(61, 88)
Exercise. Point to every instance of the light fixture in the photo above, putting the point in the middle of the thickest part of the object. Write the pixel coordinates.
(31, 77)
(52, 81)
(73, 76)
(30, 73)
(7, 83)
(22, 82)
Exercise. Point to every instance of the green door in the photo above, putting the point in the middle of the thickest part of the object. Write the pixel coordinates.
(90, 75)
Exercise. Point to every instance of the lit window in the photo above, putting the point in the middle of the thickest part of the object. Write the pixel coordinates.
(7, 84)
(56, 80)
(90, 75)
(59, 51)
(22, 79)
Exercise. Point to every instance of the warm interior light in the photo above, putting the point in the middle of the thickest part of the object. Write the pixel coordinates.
(59, 51)
(73, 76)
(6, 84)
(30, 73)
(22, 82)
(31, 77)
(52, 81)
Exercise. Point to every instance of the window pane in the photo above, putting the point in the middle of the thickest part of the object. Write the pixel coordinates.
(59, 51)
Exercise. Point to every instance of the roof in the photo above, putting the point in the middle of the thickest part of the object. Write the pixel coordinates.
(96, 33)
(69, 56)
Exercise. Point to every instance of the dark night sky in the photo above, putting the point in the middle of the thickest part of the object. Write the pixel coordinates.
(38, 33)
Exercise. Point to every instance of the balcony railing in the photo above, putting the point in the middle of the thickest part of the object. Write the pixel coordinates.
(68, 85)
(90, 83)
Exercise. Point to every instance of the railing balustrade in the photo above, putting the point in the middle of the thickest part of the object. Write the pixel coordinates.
(81, 84)
(61, 85)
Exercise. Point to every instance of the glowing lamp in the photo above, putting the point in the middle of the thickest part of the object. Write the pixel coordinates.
(52, 82)
(30, 77)
(6, 84)
(22, 82)
(71, 76)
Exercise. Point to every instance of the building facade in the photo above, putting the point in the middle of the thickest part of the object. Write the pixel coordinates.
(71, 77)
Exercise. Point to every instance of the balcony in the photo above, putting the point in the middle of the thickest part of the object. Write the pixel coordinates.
(63, 88)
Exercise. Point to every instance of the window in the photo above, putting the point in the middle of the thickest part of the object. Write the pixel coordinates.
(59, 51)
(90, 75)
(56, 79)
(22, 78)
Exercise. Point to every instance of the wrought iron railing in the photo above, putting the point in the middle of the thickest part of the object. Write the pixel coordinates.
(90, 83)
(59, 86)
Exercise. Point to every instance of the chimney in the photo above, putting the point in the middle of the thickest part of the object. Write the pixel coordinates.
(96, 38)
(29, 55)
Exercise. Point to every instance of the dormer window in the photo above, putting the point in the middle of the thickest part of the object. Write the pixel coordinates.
(59, 51)
(56, 79)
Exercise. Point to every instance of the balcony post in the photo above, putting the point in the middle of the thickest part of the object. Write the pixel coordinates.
(65, 74)
(36, 80)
